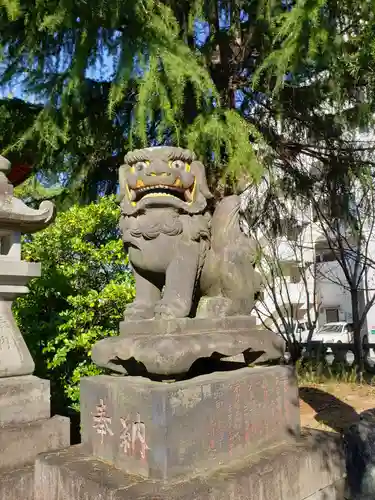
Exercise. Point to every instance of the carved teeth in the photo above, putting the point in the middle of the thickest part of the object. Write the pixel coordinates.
(188, 195)
(158, 194)
(133, 195)
(159, 186)
(147, 191)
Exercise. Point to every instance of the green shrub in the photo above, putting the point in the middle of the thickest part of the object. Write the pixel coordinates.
(80, 297)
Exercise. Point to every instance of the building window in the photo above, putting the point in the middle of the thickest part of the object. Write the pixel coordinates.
(332, 315)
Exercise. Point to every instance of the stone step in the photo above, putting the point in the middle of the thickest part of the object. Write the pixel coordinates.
(17, 483)
(310, 468)
(21, 443)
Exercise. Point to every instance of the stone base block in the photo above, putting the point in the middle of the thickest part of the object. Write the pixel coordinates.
(21, 443)
(164, 430)
(17, 484)
(23, 399)
(311, 468)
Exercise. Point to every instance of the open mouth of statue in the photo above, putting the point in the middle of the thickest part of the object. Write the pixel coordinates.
(161, 190)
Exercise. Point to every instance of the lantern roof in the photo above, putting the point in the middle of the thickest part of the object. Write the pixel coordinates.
(14, 214)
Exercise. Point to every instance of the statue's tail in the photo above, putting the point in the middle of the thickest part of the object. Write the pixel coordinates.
(229, 269)
(225, 225)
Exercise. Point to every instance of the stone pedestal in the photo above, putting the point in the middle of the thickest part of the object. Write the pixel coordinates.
(26, 428)
(162, 347)
(14, 354)
(231, 435)
(170, 430)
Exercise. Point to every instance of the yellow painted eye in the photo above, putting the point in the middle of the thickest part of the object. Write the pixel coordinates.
(179, 164)
(187, 167)
(132, 170)
(140, 165)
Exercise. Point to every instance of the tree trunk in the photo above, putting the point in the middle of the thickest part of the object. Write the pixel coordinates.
(358, 348)
(311, 332)
(295, 350)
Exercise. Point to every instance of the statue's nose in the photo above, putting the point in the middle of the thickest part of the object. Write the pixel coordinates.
(158, 168)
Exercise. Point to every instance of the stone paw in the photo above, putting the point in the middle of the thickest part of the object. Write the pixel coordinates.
(170, 311)
(137, 311)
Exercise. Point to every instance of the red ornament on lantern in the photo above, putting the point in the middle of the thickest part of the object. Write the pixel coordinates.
(18, 173)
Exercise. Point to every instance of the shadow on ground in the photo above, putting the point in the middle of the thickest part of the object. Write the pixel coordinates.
(357, 439)
(330, 411)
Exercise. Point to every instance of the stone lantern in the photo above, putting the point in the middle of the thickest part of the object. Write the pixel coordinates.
(25, 424)
(16, 218)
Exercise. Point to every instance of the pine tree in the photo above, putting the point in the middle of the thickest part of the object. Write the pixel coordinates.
(246, 84)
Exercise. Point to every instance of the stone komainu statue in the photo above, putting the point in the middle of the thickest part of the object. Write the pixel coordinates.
(186, 261)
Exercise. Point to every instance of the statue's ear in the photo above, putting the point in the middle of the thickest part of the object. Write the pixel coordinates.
(122, 181)
(199, 171)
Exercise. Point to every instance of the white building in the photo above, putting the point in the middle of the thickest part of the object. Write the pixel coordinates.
(311, 288)
(309, 284)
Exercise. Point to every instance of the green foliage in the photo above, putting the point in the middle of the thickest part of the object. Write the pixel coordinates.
(328, 44)
(229, 135)
(312, 372)
(80, 297)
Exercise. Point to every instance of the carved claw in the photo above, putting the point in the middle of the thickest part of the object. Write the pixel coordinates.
(176, 309)
(138, 310)
(165, 315)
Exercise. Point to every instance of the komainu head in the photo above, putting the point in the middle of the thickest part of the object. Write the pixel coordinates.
(163, 177)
